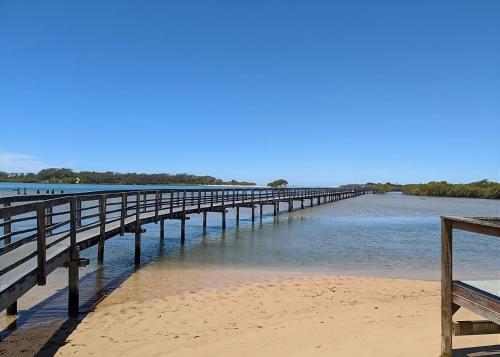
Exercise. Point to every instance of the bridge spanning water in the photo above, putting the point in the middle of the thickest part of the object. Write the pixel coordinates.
(43, 232)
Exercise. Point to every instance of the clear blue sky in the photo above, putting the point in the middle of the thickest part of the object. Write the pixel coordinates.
(318, 92)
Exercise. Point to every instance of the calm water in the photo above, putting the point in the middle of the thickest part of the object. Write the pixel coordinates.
(383, 235)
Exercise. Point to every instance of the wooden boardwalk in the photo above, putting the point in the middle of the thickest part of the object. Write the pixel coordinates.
(43, 232)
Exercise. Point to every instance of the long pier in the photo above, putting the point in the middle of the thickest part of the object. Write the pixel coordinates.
(44, 232)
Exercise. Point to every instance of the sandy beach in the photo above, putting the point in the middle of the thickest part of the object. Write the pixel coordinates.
(220, 312)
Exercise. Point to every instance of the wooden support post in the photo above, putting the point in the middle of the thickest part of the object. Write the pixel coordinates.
(260, 211)
(144, 202)
(171, 202)
(253, 213)
(73, 264)
(184, 202)
(12, 309)
(211, 199)
(204, 221)
(183, 230)
(157, 205)
(290, 206)
(223, 218)
(199, 201)
(102, 229)
(446, 288)
(137, 255)
(41, 245)
(7, 228)
(237, 215)
(302, 203)
(162, 229)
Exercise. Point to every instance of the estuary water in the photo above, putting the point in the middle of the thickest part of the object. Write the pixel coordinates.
(390, 235)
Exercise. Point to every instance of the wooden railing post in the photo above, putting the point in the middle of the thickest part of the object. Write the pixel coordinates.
(183, 202)
(123, 213)
(7, 228)
(171, 202)
(102, 229)
(199, 201)
(223, 211)
(137, 256)
(446, 288)
(211, 199)
(73, 278)
(157, 205)
(48, 220)
(41, 245)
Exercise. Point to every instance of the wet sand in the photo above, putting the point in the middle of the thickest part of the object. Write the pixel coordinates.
(244, 312)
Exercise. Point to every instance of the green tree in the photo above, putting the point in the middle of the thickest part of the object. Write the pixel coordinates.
(278, 183)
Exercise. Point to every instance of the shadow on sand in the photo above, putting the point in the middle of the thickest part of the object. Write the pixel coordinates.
(42, 329)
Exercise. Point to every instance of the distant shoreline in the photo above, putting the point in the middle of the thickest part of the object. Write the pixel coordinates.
(68, 176)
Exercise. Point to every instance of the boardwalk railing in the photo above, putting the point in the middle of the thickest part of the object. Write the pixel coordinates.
(456, 294)
(43, 232)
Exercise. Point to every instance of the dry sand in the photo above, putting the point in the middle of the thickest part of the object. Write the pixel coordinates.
(216, 312)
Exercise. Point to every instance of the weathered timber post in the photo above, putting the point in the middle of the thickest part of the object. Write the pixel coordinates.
(123, 213)
(41, 245)
(446, 288)
(157, 205)
(144, 202)
(183, 229)
(237, 215)
(199, 201)
(171, 202)
(74, 257)
(290, 205)
(12, 309)
(204, 221)
(184, 202)
(7, 228)
(260, 211)
(223, 212)
(253, 213)
(137, 256)
(302, 203)
(211, 199)
(102, 229)
(162, 229)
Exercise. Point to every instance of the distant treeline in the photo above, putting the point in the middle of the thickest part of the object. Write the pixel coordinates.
(54, 175)
(384, 187)
(479, 189)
